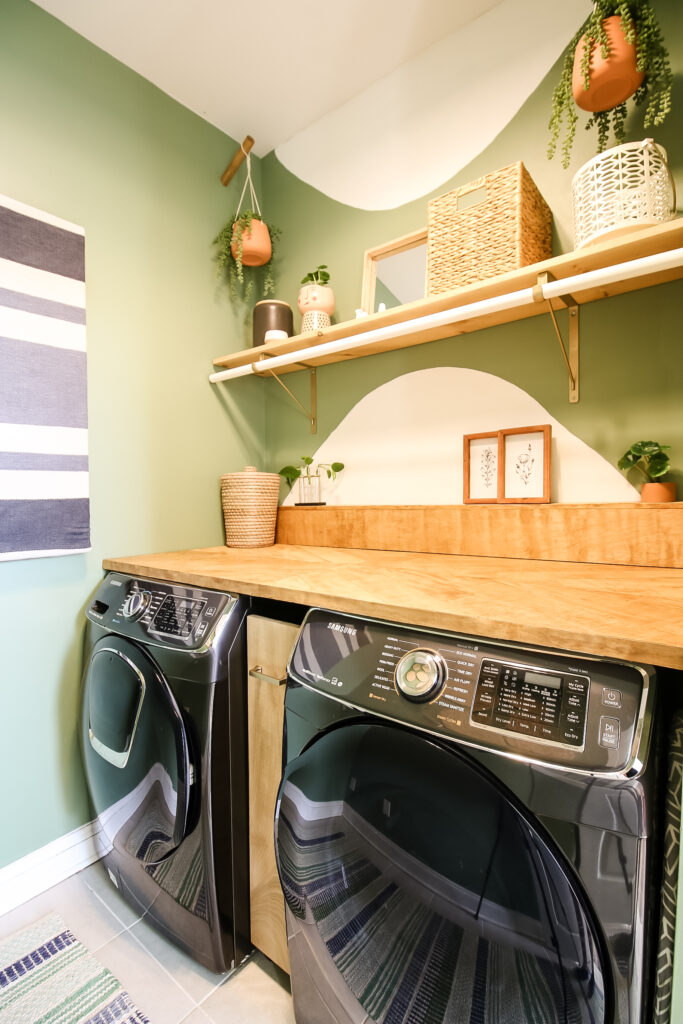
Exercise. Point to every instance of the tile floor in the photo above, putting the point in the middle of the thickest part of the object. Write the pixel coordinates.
(168, 986)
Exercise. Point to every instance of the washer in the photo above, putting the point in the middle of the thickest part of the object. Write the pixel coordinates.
(163, 729)
(465, 830)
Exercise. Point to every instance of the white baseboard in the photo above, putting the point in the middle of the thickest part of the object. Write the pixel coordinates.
(40, 870)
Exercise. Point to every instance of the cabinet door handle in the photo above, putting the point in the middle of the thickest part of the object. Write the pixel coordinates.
(257, 673)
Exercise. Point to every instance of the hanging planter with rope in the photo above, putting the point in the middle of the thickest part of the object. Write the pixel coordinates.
(246, 241)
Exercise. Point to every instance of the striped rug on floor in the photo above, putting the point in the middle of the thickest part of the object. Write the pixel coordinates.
(48, 977)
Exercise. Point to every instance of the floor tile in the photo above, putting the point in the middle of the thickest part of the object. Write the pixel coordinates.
(150, 986)
(195, 979)
(198, 1017)
(97, 880)
(255, 994)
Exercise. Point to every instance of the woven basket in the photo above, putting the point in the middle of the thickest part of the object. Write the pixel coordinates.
(249, 502)
(625, 187)
(507, 228)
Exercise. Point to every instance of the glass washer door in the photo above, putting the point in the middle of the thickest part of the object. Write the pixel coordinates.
(136, 751)
(436, 898)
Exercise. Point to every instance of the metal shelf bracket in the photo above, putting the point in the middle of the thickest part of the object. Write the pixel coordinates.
(312, 415)
(571, 359)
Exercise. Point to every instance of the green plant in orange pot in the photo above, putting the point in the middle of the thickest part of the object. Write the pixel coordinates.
(650, 458)
(617, 53)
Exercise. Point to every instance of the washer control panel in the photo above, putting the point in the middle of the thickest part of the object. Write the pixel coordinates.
(166, 614)
(548, 704)
(555, 707)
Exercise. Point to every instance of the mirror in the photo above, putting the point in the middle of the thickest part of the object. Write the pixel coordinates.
(395, 273)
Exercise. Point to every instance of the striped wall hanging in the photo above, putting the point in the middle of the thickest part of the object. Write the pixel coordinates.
(44, 504)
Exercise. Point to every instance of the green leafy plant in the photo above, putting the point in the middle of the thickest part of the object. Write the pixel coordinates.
(649, 457)
(640, 25)
(307, 468)
(319, 276)
(239, 276)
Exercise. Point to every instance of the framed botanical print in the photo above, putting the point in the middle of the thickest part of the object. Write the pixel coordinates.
(480, 468)
(524, 465)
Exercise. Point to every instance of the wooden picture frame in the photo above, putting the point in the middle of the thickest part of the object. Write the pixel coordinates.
(524, 465)
(480, 459)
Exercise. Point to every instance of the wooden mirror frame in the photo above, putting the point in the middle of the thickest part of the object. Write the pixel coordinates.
(381, 252)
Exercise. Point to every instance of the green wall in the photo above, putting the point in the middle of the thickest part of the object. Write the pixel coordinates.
(631, 375)
(88, 140)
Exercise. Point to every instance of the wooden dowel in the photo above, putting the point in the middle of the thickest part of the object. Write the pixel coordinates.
(230, 171)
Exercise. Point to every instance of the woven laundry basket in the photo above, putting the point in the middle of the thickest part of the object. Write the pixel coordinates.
(509, 226)
(622, 189)
(249, 502)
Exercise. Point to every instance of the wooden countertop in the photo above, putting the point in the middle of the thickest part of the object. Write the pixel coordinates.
(623, 611)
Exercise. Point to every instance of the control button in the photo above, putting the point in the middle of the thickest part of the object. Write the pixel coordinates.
(136, 604)
(420, 675)
(609, 732)
(611, 698)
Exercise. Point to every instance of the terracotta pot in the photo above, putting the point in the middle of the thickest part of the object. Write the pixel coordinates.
(658, 491)
(319, 297)
(256, 247)
(612, 79)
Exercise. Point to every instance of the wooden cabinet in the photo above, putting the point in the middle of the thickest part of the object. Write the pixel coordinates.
(269, 644)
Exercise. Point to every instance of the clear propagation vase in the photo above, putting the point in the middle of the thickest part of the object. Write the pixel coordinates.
(309, 489)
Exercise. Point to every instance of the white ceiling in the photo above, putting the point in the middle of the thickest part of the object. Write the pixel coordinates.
(267, 69)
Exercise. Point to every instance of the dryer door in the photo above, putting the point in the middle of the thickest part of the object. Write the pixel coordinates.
(135, 751)
(417, 885)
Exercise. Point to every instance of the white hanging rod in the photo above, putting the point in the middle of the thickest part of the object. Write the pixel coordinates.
(512, 300)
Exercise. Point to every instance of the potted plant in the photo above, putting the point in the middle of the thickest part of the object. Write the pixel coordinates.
(308, 476)
(650, 458)
(618, 52)
(247, 242)
(316, 299)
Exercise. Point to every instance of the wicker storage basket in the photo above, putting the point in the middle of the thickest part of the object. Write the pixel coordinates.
(624, 188)
(249, 502)
(509, 227)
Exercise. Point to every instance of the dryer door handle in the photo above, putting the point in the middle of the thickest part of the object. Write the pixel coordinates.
(101, 703)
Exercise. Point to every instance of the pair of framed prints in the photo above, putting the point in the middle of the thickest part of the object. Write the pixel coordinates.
(509, 466)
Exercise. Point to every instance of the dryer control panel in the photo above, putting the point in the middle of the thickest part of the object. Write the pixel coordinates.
(555, 707)
(164, 614)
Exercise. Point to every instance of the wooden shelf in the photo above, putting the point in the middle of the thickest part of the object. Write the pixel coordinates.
(646, 242)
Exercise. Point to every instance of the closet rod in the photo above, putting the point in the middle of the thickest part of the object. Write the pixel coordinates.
(512, 300)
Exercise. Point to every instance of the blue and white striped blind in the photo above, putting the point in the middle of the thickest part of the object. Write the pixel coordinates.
(44, 504)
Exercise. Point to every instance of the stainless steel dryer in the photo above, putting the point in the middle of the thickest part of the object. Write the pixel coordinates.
(163, 730)
(465, 830)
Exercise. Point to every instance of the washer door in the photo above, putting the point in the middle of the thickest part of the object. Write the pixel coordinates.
(135, 750)
(418, 882)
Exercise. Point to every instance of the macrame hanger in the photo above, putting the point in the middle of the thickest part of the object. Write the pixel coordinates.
(247, 181)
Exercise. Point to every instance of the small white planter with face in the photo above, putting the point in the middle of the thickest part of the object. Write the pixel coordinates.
(316, 305)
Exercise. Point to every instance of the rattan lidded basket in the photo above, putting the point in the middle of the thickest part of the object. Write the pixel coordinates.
(249, 502)
(507, 228)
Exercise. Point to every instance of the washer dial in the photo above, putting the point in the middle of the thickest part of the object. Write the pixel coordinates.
(420, 675)
(136, 604)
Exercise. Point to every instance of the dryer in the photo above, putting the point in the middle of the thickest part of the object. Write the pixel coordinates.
(465, 830)
(163, 730)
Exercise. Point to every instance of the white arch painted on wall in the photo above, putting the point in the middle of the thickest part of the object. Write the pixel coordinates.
(415, 128)
(402, 443)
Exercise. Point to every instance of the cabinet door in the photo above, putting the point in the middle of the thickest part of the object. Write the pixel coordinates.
(269, 644)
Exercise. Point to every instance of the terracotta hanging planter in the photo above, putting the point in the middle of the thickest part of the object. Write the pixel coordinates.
(612, 78)
(256, 244)
(658, 491)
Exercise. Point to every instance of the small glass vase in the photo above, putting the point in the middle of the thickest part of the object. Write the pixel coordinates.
(309, 489)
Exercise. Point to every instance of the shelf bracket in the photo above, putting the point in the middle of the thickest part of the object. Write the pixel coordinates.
(571, 359)
(311, 416)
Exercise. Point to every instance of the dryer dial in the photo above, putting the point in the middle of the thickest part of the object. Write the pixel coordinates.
(420, 675)
(136, 604)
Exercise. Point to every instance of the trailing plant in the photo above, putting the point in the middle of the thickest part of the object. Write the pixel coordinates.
(649, 457)
(640, 26)
(292, 473)
(319, 276)
(239, 276)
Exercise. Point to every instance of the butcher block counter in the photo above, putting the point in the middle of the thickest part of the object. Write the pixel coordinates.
(633, 612)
